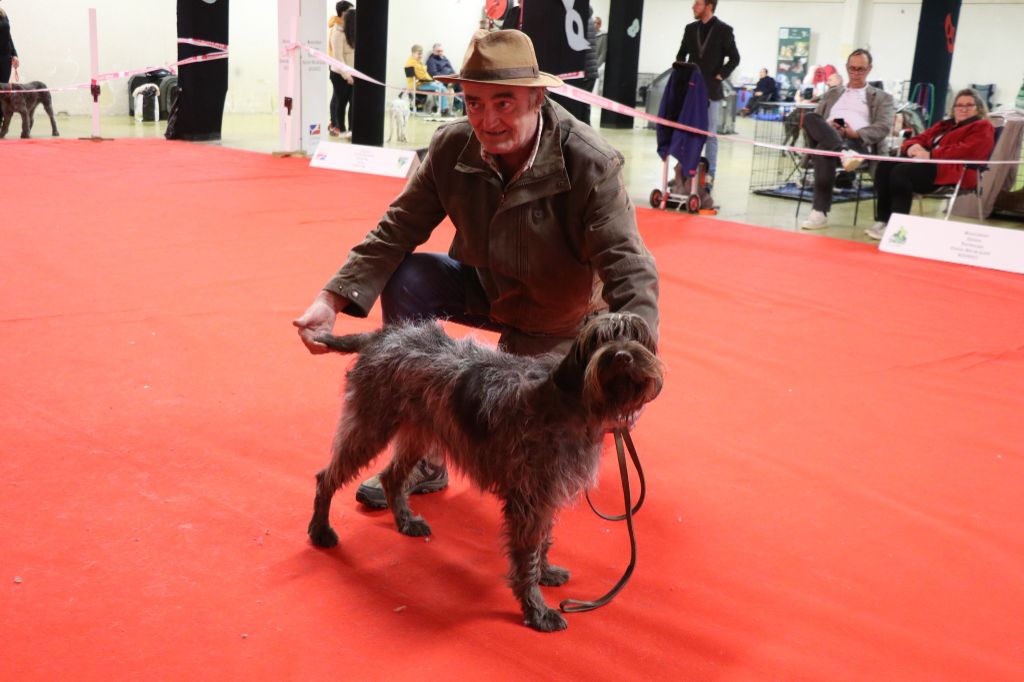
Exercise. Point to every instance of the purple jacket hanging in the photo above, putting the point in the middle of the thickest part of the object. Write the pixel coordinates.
(685, 101)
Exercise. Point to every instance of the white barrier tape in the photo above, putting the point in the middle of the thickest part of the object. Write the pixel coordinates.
(202, 43)
(591, 98)
(114, 75)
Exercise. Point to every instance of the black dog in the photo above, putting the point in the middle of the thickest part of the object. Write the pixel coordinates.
(527, 429)
(13, 100)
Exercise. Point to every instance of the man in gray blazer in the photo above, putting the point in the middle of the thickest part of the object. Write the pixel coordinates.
(858, 118)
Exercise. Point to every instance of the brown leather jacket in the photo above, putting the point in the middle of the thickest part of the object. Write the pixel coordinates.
(547, 249)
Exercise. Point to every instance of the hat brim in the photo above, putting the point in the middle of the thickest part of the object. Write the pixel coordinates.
(542, 80)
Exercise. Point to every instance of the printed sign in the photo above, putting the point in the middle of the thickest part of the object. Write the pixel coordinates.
(395, 163)
(947, 240)
(794, 51)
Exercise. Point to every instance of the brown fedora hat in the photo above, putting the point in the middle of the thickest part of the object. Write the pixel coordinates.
(502, 58)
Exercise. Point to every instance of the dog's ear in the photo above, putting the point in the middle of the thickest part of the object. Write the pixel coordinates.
(568, 375)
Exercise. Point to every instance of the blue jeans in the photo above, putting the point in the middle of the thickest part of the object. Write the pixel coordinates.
(711, 146)
(434, 86)
(432, 285)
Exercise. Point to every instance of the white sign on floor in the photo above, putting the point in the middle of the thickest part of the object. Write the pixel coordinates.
(983, 246)
(395, 163)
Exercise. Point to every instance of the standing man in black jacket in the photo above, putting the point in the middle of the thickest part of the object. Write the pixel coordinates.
(708, 43)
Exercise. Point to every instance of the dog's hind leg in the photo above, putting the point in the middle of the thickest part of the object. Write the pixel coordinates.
(356, 443)
(48, 107)
(409, 447)
(527, 528)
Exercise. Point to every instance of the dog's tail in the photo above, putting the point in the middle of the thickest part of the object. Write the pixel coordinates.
(349, 343)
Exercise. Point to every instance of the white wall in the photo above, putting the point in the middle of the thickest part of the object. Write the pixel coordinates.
(52, 40)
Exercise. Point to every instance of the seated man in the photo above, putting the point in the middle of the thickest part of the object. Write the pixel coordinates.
(421, 80)
(545, 232)
(766, 90)
(438, 65)
(856, 117)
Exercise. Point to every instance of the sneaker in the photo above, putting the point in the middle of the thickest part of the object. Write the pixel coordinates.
(815, 221)
(347, 135)
(426, 477)
(851, 162)
(876, 231)
(332, 131)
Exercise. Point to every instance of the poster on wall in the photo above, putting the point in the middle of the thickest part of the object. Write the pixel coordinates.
(794, 51)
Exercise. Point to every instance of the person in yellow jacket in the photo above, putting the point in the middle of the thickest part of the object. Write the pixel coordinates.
(341, 45)
(421, 80)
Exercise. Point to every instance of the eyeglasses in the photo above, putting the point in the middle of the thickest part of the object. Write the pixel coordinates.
(858, 69)
(972, 105)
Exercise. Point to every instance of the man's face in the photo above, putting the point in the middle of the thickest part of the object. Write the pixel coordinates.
(439, 51)
(701, 10)
(858, 68)
(504, 117)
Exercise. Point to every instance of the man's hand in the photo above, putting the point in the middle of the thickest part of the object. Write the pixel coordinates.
(319, 319)
(15, 63)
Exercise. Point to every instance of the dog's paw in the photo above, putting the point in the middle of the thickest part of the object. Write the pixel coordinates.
(553, 576)
(414, 526)
(322, 535)
(545, 620)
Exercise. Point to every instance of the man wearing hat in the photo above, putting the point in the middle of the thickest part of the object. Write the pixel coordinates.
(545, 233)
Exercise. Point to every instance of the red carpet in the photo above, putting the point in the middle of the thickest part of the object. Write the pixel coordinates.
(834, 466)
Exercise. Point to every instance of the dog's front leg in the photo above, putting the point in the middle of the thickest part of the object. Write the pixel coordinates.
(526, 529)
(393, 479)
(551, 575)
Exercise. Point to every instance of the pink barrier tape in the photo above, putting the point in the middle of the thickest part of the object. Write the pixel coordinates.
(597, 100)
(619, 108)
(334, 62)
(349, 70)
(202, 43)
(114, 75)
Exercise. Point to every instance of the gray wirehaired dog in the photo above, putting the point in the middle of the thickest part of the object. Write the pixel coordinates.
(14, 101)
(528, 429)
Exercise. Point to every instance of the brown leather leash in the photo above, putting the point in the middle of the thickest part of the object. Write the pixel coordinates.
(621, 436)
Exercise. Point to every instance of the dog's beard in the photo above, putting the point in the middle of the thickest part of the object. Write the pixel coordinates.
(620, 378)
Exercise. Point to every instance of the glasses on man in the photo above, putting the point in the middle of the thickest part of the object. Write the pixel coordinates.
(857, 69)
(970, 105)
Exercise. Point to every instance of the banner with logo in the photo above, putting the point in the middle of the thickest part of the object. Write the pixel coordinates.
(558, 29)
(794, 51)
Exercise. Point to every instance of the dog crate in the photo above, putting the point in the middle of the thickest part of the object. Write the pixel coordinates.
(167, 83)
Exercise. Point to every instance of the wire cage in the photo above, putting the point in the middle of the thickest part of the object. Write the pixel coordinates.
(773, 168)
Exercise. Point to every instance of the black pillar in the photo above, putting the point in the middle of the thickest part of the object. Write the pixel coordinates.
(203, 85)
(620, 68)
(933, 56)
(371, 59)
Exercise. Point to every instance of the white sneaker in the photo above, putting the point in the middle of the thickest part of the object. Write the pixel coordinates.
(851, 162)
(815, 221)
(876, 231)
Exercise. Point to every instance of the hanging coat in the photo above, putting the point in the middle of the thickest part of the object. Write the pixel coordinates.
(685, 101)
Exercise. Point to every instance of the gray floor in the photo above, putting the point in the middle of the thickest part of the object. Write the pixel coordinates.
(259, 133)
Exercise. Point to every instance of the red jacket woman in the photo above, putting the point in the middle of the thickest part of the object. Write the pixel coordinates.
(966, 135)
(970, 139)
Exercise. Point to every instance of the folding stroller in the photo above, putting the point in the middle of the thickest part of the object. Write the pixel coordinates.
(685, 101)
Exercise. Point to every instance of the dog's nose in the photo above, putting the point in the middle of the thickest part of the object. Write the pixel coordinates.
(623, 358)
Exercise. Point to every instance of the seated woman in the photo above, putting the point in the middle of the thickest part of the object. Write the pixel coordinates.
(766, 90)
(966, 135)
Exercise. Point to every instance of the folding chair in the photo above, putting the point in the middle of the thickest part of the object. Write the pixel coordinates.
(951, 192)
